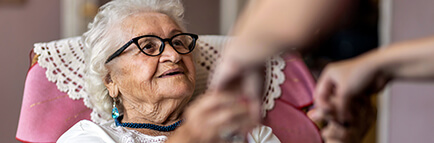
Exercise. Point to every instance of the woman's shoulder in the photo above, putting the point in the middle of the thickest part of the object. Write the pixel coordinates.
(85, 124)
(87, 131)
(108, 132)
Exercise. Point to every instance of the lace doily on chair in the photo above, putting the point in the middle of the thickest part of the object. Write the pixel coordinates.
(274, 77)
(64, 61)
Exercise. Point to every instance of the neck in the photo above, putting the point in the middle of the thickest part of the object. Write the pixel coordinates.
(160, 113)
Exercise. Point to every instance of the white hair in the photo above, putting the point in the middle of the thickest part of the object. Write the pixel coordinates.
(102, 40)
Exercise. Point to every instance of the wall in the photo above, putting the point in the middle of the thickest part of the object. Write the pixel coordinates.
(412, 19)
(406, 107)
(229, 12)
(202, 16)
(21, 26)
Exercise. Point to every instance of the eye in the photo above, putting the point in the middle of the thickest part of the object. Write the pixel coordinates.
(148, 46)
(177, 43)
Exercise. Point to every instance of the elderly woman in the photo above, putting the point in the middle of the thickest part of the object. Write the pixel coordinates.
(140, 68)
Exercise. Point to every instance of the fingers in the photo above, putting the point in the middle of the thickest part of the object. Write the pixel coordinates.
(226, 74)
(228, 114)
(331, 99)
(211, 116)
(253, 84)
(323, 92)
(341, 111)
(209, 104)
(340, 100)
(352, 128)
(334, 133)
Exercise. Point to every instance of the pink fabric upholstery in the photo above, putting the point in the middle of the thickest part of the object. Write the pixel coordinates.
(289, 123)
(46, 112)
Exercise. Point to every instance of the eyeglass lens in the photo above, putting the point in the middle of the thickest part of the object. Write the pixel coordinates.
(151, 45)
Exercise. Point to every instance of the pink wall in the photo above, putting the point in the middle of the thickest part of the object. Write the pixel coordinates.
(20, 27)
(411, 102)
(412, 19)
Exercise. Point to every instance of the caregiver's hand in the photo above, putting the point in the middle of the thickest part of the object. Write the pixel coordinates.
(240, 79)
(215, 117)
(342, 82)
(369, 72)
(359, 118)
(342, 98)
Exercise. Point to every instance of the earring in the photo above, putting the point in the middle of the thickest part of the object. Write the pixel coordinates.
(115, 111)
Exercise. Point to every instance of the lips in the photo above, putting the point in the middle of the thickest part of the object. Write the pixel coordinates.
(172, 72)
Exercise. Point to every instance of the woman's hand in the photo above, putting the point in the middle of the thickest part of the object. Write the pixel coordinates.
(215, 117)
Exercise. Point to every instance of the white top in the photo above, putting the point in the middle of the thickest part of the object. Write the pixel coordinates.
(88, 131)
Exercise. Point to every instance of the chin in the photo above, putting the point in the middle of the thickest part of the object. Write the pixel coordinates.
(178, 89)
(176, 86)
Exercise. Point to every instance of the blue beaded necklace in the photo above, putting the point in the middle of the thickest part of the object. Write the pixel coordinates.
(147, 125)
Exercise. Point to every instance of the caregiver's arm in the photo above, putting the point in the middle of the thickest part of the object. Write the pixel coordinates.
(411, 59)
(369, 73)
(267, 26)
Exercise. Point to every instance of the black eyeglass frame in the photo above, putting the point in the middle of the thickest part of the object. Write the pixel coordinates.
(161, 49)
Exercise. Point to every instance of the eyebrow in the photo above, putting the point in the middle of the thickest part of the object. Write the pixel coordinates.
(172, 32)
(175, 31)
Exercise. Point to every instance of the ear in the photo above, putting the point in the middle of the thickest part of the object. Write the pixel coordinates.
(111, 86)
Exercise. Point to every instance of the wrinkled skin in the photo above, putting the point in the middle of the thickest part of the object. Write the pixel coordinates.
(150, 96)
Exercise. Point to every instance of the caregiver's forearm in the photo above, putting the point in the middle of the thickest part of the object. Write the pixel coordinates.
(409, 59)
(267, 26)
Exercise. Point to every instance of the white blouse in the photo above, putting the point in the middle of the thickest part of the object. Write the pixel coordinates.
(88, 131)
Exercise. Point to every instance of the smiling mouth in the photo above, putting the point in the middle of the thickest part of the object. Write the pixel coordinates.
(171, 74)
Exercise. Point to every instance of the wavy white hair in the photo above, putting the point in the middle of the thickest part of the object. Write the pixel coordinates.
(102, 40)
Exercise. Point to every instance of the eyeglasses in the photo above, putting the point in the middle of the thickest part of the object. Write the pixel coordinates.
(152, 45)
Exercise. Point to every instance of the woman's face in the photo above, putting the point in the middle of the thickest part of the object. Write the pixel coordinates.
(142, 78)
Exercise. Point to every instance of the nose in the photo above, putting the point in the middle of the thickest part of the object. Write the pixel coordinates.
(169, 54)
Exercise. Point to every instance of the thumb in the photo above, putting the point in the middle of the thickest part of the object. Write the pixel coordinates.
(315, 115)
(318, 117)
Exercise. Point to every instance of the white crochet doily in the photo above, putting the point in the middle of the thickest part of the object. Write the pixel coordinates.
(64, 61)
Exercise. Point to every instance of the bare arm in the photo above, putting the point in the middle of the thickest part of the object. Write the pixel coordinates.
(268, 26)
(410, 59)
(343, 84)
